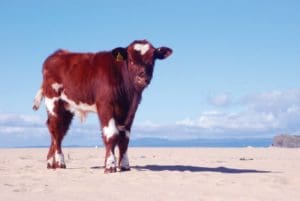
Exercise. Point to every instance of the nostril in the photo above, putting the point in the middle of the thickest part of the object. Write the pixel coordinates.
(142, 74)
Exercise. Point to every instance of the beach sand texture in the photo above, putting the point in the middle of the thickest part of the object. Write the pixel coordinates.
(157, 174)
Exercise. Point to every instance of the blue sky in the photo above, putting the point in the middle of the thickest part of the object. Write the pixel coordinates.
(235, 70)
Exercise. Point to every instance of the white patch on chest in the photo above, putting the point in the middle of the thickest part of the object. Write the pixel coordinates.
(111, 129)
(56, 86)
(111, 161)
(142, 48)
(50, 104)
(81, 109)
(125, 162)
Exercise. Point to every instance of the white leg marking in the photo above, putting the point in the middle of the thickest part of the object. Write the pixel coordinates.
(59, 158)
(127, 134)
(111, 129)
(111, 161)
(125, 162)
(56, 86)
(50, 103)
(38, 99)
(142, 48)
(50, 161)
(81, 110)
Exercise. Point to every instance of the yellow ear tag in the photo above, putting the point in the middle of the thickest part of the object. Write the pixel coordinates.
(119, 57)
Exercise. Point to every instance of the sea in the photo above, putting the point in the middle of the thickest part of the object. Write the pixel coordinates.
(158, 142)
(222, 143)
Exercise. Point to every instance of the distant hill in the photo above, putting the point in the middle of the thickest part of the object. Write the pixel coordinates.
(290, 141)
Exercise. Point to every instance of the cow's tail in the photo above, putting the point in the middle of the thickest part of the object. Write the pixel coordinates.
(38, 99)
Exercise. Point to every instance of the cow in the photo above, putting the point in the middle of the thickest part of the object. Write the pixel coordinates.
(108, 83)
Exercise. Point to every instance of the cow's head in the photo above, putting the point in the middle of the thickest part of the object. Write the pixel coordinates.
(141, 56)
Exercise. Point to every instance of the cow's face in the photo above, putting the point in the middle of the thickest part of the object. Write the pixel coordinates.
(141, 56)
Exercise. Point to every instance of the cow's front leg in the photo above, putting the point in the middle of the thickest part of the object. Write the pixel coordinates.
(110, 135)
(123, 162)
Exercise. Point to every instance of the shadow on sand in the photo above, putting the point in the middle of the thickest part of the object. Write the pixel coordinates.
(97, 167)
(183, 168)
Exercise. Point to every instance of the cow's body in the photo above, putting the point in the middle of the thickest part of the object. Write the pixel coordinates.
(107, 83)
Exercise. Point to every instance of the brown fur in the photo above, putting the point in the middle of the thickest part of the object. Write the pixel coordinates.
(111, 80)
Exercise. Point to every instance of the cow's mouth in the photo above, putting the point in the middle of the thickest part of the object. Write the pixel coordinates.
(141, 82)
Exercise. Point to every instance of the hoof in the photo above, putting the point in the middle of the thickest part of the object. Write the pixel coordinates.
(110, 170)
(62, 166)
(49, 166)
(55, 166)
(56, 161)
(124, 169)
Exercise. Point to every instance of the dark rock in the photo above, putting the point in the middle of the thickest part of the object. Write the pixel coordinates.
(246, 159)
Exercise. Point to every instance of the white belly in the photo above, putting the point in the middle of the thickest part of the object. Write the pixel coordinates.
(81, 109)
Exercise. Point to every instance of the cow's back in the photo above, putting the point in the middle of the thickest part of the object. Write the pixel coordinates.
(83, 77)
(63, 64)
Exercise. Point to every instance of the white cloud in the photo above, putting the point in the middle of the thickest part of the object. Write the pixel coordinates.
(13, 126)
(258, 115)
(274, 101)
(235, 121)
(9, 129)
(186, 122)
(220, 100)
(262, 112)
(30, 130)
(15, 119)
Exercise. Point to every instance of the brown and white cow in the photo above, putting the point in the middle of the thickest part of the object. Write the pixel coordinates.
(109, 83)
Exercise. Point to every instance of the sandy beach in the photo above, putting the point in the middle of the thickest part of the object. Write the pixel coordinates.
(157, 174)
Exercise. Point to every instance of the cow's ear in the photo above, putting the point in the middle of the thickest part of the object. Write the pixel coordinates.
(120, 53)
(162, 52)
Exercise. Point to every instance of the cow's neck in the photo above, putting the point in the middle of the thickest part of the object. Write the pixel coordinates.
(134, 97)
(132, 110)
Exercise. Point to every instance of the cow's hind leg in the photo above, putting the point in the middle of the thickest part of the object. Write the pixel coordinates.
(59, 120)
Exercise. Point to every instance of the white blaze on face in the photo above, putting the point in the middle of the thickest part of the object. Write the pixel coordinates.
(125, 162)
(56, 86)
(142, 48)
(111, 129)
(111, 161)
(50, 104)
